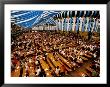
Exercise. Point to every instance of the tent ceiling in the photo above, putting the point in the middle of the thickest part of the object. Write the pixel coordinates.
(31, 18)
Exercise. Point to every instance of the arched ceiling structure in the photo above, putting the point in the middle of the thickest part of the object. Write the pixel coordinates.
(31, 18)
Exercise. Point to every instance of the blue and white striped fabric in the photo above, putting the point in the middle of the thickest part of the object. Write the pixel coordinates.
(77, 24)
(95, 26)
(83, 25)
(71, 20)
(30, 18)
(89, 25)
(65, 25)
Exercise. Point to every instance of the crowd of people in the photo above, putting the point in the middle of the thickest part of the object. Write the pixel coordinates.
(30, 47)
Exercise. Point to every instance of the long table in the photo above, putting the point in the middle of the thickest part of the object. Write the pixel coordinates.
(45, 67)
(56, 63)
(65, 61)
(16, 72)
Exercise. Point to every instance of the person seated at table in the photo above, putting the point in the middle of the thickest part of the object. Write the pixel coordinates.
(93, 66)
(12, 66)
(62, 52)
(81, 52)
(83, 75)
(27, 73)
(63, 70)
(85, 51)
(38, 71)
(98, 61)
(94, 73)
(57, 71)
(36, 62)
(91, 48)
(21, 70)
(26, 66)
(97, 65)
(94, 55)
(42, 74)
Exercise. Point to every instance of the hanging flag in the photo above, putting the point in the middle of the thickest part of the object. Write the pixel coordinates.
(77, 24)
(71, 24)
(65, 25)
(70, 21)
(84, 13)
(75, 13)
(83, 24)
(68, 14)
(89, 23)
(80, 13)
(95, 25)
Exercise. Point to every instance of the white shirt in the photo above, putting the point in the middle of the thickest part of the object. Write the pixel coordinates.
(30, 60)
(46, 53)
(74, 64)
(96, 65)
(95, 55)
(98, 61)
(91, 48)
(12, 42)
(73, 58)
(26, 67)
(38, 71)
(85, 51)
(36, 62)
(80, 59)
(18, 67)
(63, 53)
(36, 57)
(75, 50)
(81, 53)
(57, 71)
(83, 75)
